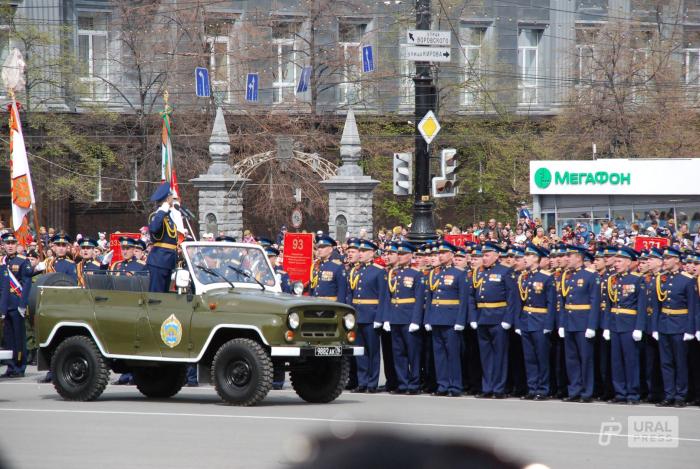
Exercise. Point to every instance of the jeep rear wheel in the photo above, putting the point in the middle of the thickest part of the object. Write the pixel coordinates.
(242, 372)
(79, 369)
(322, 381)
(161, 381)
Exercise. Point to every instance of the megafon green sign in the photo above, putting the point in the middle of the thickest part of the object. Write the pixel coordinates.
(543, 178)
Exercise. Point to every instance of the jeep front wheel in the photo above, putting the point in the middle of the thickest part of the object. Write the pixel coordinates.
(160, 381)
(79, 369)
(322, 381)
(242, 372)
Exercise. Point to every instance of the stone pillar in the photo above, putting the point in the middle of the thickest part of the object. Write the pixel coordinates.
(350, 191)
(220, 190)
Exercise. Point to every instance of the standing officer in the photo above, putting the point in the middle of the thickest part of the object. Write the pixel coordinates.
(603, 387)
(446, 317)
(516, 384)
(370, 298)
(163, 257)
(61, 262)
(580, 315)
(651, 369)
(328, 277)
(429, 271)
(536, 321)
(675, 306)
(496, 304)
(18, 277)
(471, 363)
(623, 323)
(405, 315)
(352, 256)
(557, 360)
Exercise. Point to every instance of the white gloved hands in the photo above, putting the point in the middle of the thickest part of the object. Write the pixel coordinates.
(518, 331)
(165, 207)
(697, 335)
(606, 334)
(687, 337)
(386, 326)
(428, 327)
(413, 327)
(459, 327)
(377, 325)
(22, 311)
(637, 335)
(40, 267)
(655, 335)
(561, 332)
(546, 331)
(505, 325)
(107, 258)
(473, 325)
(590, 333)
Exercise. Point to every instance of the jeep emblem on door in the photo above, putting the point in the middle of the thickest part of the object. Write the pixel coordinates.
(171, 331)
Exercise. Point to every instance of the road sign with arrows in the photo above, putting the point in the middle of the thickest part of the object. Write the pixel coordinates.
(252, 84)
(428, 54)
(420, 37)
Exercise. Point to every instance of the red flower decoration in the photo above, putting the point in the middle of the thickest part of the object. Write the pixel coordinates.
(664, 278)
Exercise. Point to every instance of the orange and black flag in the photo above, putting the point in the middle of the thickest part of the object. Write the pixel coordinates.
(21, 181)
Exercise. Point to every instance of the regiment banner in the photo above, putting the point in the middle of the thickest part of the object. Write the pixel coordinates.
(461, 239)
(116, 248)
(21, 181)
(297, 256)
(642, 243)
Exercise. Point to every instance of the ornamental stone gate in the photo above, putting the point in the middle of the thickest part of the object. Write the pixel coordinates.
(221, 187)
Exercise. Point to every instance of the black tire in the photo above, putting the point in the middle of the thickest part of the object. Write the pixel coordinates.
(55, 279)
(79, 370)
(323, 381)
(242, 372)
(160, 382)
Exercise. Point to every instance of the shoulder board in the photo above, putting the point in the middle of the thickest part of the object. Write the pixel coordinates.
(590, 269)
(95, 263)
(378, 266)
(546, 272)
(337, 261)
(21, 256)
(141, 262)
(686, 274)
(69, 260)
(637, 274)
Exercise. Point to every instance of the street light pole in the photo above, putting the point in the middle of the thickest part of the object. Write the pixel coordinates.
(423, 225)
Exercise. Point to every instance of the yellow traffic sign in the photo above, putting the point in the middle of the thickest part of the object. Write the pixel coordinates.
(429, 127)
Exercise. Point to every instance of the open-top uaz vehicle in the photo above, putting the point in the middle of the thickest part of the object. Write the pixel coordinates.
(228, 316)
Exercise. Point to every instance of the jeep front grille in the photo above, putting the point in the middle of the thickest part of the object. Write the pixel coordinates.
(315, 330)
(319, 314)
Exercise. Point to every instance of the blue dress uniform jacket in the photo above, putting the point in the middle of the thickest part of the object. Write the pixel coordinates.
(133, 267)
(62, 265)
(581, 300)
(447, 299)
(496, 296)
(329, 281)
(285, 282)
(675, 303)
(21, 270)
(650, 292)
(539, 296)
(163, 257)
(407, 293)
(14, 337)
(626, 303)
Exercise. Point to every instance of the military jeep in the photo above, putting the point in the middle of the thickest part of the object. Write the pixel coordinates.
(226, 314)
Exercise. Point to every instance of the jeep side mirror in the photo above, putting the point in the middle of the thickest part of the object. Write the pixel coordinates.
(182, 278)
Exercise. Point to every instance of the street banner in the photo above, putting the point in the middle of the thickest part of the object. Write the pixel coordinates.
(116, 248)
(297, 257)
(460, 239)
(642, 243)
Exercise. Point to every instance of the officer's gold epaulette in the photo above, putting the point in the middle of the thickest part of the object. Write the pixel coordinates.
(21, 256)
(688, 275)
(94, 262)
(590, 269)
(337, 261)
(69, 260)
(141, 262)
(546, 272)
(637, 274)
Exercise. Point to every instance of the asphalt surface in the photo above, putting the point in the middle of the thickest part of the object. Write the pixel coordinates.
(194, 429)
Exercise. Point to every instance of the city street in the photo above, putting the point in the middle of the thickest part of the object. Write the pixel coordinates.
(123, 429)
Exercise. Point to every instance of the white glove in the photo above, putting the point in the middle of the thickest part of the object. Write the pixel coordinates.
(22, 311)
(637, 335)
(413, 327)
(590, 333)
(518, 331)
(606, 334)
(561, 332)
(377, 325)
(697, 335)
(107, 258)
(459, 327)
(428, 327)
(473, 325)
(505, 325)
(546, 331)
(687, 337)
(386, 326)
(40, 267)
(655, 335)
(165, 207)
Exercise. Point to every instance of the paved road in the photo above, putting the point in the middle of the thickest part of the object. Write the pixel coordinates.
(123, 429)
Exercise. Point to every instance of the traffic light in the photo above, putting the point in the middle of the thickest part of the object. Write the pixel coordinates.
(403, 173)
(445, 185)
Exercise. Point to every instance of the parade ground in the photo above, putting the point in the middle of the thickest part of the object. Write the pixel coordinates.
(194, 429)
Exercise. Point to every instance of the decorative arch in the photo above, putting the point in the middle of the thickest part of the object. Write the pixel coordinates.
(319, 165)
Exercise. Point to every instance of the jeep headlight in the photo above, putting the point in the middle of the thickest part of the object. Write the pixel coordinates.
(298, 288)
(293, 320)
(349, 321)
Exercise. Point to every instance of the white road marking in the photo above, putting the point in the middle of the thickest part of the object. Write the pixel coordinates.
(323, 420)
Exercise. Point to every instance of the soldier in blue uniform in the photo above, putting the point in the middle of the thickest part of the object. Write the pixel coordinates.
(603, 387)
(17, 281)
(127, 251)
(88, 264)
(280, 273)
(135, 265)
(557, 359)
(496, 302)
(328, 277)
(471, 362)
(579, 318)
(536, 321)
(61, 262)
(446, 317)
(163, 257)
(405, 316)
(674, 309)
(651, 384)
(516, 383)
(623, 325)
(370, 298)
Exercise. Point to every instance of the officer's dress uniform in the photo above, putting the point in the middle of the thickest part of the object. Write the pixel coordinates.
(471, 362)
(651, 369)
(496, 301)
(581, 311)
(63, 265)
(626, 312)
(329, 281)
(675, 306)
(18, 277)
(284, 279)
(536, 322)
(428, 377)
(603, 386)
(370, 297)
(163, 257)
(134, 266)
(406, 289)
(446, 309)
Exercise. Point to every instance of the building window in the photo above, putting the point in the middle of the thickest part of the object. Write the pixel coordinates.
(639, 70)
(471, 39)
(93, 55)
(691, 63)
(584, 66)
(528, 58)
(287, 70)
(217, 36)
(350, 48)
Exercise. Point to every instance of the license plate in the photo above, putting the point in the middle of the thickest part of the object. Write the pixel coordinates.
(328, 351)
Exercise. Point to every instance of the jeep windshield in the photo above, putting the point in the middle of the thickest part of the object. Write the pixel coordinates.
(222, 263)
